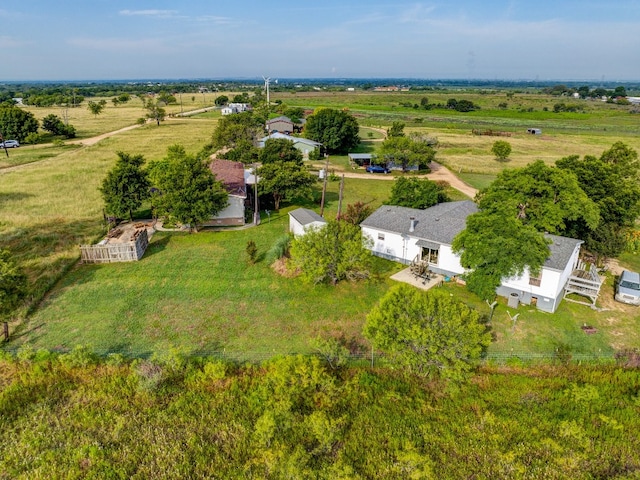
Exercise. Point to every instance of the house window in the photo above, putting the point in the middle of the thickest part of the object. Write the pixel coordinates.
(381, 236)
(430, 255)
(535, 281)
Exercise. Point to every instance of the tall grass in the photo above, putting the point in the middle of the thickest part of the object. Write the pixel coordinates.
(165, 418)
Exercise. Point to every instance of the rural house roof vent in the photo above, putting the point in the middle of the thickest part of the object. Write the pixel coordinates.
(412, 227)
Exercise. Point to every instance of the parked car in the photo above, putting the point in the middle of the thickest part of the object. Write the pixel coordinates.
(628, 288)
(377, 169)
(9, 144)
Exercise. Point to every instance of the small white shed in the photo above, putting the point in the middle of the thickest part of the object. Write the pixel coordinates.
(302, 219)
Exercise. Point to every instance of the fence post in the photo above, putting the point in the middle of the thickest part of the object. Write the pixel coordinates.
(5, 331)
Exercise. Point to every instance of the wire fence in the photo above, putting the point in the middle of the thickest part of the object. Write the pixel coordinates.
(372, 358)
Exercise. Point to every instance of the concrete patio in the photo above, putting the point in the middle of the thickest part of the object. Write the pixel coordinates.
(406, 276)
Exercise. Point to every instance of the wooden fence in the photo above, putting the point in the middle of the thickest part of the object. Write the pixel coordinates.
(116, 252)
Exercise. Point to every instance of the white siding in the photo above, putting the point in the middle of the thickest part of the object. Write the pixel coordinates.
(235, 208)
(298, 229)
(405, 250)
(552, 281)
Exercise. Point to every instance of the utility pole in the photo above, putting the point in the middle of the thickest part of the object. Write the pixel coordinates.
(256, 212)
(340, 198)
(324, 185)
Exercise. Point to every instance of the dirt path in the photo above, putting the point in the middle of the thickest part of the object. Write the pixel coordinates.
(87, 142)
(438, 173)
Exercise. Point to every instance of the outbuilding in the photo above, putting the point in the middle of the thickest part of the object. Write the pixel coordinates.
(303, 219)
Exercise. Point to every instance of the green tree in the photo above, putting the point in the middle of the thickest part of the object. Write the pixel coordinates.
(407, 151)
(244, 151)
(52, 123)
(13, 284)
(280, 150)
(284, 181)
(124, 98)
(154, 111)
(331, 253)
(235, 130)
(126, 186)
(294, 113)
(430, 333)
(95, 108)
(541, 196)
(221, 100)
(337, 130)
(416, 193)
(505, 236)
(356, 213)
(501, 149)
(496, 245)
(189, 191)
(16, 123)
(396, 130)
(610, 181)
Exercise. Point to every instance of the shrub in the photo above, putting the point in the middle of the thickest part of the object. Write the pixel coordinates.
(279, 249)
(252, 251)
(501, 149)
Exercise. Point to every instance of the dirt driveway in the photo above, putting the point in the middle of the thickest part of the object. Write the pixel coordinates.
(438, 173)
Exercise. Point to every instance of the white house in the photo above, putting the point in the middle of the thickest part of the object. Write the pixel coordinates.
(406, 235)
(302, 219)
(232, 176)
(235, 108)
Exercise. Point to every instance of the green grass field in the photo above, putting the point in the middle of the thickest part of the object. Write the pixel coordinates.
(197, 292)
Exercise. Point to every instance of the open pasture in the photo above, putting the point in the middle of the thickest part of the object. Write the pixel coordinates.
(49, 206)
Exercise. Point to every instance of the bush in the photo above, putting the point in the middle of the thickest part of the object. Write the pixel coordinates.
(252, 251)
(501, 149)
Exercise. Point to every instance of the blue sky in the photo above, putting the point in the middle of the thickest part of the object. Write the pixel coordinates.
(489, 39)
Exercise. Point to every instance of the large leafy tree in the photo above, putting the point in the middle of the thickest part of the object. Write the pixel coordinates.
(284, 181)
(188, 190)
(416, 193)
(16, 123)
(541, 196)
(407, 151)
(126, 186)
(431, 333)
(612, 182)
(334, 252)
(13, 284)
(280, 150)
(237, 130)
(496, 245)
(337, 130)
(506, 235)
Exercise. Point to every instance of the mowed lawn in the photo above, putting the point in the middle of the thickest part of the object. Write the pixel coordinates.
(197, 293)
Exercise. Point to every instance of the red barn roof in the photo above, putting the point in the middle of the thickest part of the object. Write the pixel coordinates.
(231, 174)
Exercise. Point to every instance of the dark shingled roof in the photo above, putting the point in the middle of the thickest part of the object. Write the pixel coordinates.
(231, 174)
(304, 216)
(442, 222)
(561, 250)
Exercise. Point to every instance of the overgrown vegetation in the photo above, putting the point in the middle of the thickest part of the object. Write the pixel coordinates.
(166, 417)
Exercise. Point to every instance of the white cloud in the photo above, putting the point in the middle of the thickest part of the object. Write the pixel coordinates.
(215, 19)
(149, 13)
